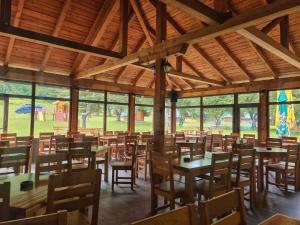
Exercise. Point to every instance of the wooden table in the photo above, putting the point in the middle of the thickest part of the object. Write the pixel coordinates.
(262, 153)
(108, 139)
(192, 169)
(186, 144)
(27, 201)
(106, 150)
(279, 219)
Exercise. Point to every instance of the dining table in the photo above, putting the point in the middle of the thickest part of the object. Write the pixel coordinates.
(186, 144)
(280, 219)
(192, 169)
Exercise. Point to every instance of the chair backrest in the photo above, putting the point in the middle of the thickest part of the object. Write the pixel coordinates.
(169, 139)
(292, 156)
(161, 166)
(16, 158)
(4, 144)
(198, 151)
(78, 137)
(59, 218)
(207, 141)
(274, 142)
(146, 132)
(246, 164)
(94, 140)
(11, 137)
(62, 144)
(217, 140)
(71, 133)
(229, 140)
(200, 133)
(237, 135)
(146, 137)
(84, 158)
(172, 150)
(225, 209)
(45, 135)
(289, 140)
(108, 133)
(75, 191)
(237, 147)
(182, 216)
(25, 141)
(4, 201)
(51, 164)
(180, 136)
(221, 164)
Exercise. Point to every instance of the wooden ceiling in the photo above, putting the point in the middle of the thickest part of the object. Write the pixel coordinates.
(219, 61)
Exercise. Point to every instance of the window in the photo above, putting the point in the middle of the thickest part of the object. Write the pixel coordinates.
(91, 95)
(218, 100)
(117, 117)
(188, 102)
(15, 88)
(284, 113)
(248, 98)
(52, 107)
(90, 115)
(249, 121)
(168, 120)
(118, 98)
(143, 113)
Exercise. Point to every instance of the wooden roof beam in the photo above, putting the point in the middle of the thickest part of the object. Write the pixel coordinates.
(124, 17)
(16, 23)
(247, 19)
(179, 68)
(59, 23)
(96, 31)
(138, 77)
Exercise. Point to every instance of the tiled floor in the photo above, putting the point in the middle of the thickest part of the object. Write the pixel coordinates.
(125, 206)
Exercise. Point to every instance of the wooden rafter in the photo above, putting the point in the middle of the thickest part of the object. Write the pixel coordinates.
(58, 26)
(138, 77)
(249, 18)
(123, 39)
(16, 23)
(97, 30)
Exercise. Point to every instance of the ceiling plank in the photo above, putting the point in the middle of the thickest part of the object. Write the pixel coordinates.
(249, 18)
(138, 77)
(96, 31)
(58, 26)
(16, 23)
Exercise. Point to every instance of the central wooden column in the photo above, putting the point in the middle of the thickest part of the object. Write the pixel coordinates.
(263, 116)
(131, 124)
(74, 109)
(160, 80)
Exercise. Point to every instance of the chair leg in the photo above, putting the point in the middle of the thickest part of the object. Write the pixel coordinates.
(132, 178)
(285, 177)
(172, 204)
(113, 180)
(146, 170)
(267, 179)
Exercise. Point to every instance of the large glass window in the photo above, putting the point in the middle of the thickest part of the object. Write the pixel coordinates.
(52, 91)
(248, 98)
(249, 121)
(15, 88)
(117, 117)
(168, 120)
(90, 115)
(143, 113)
(218, 100)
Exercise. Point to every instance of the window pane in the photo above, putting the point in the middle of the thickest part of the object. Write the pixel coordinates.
(145, 100)
(284, 120)
(249, 121)
(188, 119)
(248, 98)
(51, 116)
(90, 115)
(167, 102)
(167, 120)
(91, 95)
(15, 88)
(188, 102)
(143, 118)
(19, 119)
(284, 95)
(1, 114)
(218, 100)
(52, 91)
(218, 119)
(118, 98)
(117, 117)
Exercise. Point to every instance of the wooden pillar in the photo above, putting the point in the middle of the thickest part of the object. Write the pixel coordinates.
(131, 124)
(74, 109)
(105, 113)
(236, 115)
(5, 11)
(173, 117)
(160, 80)
(201, 115)
(32, 118)
(5, 113)
(263, 116)
(123, 39)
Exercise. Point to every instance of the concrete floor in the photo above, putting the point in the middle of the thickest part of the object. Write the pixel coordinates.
(126, 206)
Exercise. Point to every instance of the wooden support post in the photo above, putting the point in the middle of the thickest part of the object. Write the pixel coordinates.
(105, 113)
(263, 116)
(32, 118)
(236, 115)
(123, 40)
(5, 12)
(74, 109)
(131, 123)
(201, 115)
(284, 32)
(160, 80)
(173, 117)
(5, 113)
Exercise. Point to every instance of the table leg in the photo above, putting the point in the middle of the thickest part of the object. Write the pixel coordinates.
(189, 188)
(261, 172)
(106, 167)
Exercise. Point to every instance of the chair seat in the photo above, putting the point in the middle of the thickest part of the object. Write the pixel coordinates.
(202, 187)
(179, 187)
(121, 164)
(279, 166)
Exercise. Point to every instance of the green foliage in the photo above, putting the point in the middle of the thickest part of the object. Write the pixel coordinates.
(15, 88)
(52, 91)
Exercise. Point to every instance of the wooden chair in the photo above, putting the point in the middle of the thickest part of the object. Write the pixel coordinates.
(219, 178)
(127, 165)
(146, 137)
(4, 144)
(285, 171)
(108, 133)
(24, 141)
(179, 136)
(236, 148)
(51, 164)
(289, 141)
(142, 161)
(274, 142)
(75, 191)
(225, 209)
(78, 137)
(93, 140)
(62, 144)
(59, 218)
(118, 147)
(245, 173)
(11, 137)
(169, 139)
(237, 135)
(15, 160)
(182, 216)
(207, 141)
(81, 157)
(217, 143)
(4, 201)
(229, 141)
(45, 142)
(147, 132)
(71, 133)
(198, 151)
(170, 189)
(249, 136)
